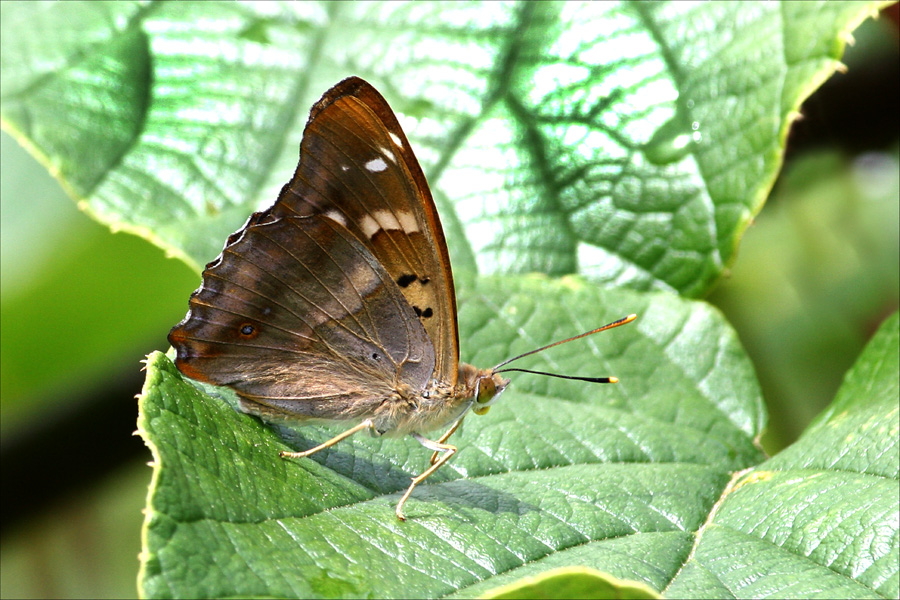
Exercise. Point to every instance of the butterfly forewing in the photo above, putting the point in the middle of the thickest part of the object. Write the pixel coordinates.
(302, 321)
(357, 167)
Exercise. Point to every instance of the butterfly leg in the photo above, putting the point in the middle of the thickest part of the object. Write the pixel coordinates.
(367, 424)
(439, 447)
(444, 438)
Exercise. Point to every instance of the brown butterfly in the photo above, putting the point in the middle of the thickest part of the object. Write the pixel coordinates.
(337, 303)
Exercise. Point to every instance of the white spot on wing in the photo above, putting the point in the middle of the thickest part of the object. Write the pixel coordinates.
(386, 220)
(336, 217)
(395, 138)
(389, 154)
(376, 165)
(408, 222)
(369, 226)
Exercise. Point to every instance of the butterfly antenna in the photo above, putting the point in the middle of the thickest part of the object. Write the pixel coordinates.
(621, 321)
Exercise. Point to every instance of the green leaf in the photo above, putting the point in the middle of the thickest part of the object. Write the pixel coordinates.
(79, 98)
(571, 583)
(551, 477)
(629, 142)
(820, 520)
(615, 477)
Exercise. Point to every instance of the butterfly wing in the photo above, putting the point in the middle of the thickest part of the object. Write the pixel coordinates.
(357, 167)
(300, 319)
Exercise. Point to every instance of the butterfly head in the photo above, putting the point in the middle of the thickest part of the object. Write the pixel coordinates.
(483, 386)
(488, 388)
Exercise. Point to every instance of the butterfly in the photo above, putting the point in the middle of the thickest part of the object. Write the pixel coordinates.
(337, 302)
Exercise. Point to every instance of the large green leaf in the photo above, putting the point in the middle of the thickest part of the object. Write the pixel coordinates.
(635, 480)
(630, 142)
(616, 477)
(821, 519)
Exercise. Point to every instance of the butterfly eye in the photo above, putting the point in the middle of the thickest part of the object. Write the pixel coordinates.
(486, 391)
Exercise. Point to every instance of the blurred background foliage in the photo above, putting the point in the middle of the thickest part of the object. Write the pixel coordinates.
(82, 306)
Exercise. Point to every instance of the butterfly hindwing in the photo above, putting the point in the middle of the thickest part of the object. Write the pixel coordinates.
(302, 321)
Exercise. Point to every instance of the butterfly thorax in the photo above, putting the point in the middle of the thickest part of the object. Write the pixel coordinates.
(440, 404)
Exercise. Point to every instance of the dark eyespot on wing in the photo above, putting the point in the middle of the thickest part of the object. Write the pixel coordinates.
(404, 280)
(423, 314)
